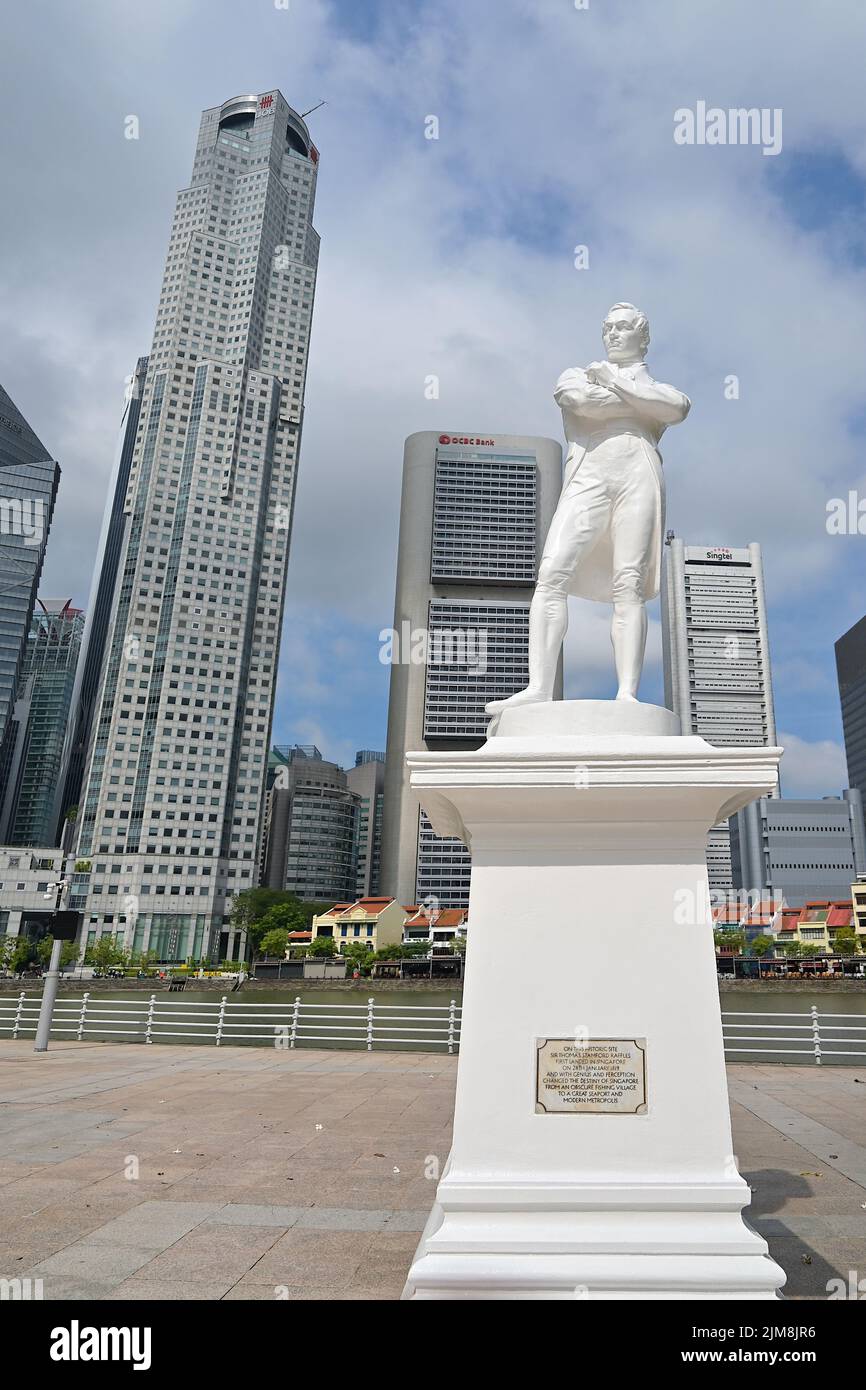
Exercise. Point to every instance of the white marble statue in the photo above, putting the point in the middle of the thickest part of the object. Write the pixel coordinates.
(605, 539)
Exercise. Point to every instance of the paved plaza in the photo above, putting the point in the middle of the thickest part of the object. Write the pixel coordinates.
(172, 1172)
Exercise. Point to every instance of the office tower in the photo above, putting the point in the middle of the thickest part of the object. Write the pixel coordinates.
(851, 675)
(367, 780)
(474, 515)
(29, 479)
(173, 790)
(311, 837)
(29, 811)
(93, 647)
(799, 850)
(716, 655)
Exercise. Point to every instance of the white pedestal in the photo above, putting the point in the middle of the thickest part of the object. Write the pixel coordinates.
(589, 920)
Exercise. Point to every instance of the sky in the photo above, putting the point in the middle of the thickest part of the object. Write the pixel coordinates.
(455, 257)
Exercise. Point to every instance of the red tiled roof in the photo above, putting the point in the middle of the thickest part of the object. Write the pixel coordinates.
(445, 917)
(840, 915)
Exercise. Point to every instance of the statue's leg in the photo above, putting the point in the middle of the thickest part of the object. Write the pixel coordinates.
(579, 519)
(633, 531)
(628, 631)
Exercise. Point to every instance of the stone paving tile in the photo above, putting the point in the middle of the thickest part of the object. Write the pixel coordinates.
(216, 1255)
(58, 1288)
(54, 1227)
(342, 1219)
(313, 1259)
(95, 1263)
(141, 1289)
(155, 1225)
(251, 1214)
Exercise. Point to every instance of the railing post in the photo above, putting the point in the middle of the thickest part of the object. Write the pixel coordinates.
(295, 1016)
(816, 1035)
(149, 1028)
(370, 1006)
(18, 1013)
(451, 1020)
(84, 998)
(220, 1020)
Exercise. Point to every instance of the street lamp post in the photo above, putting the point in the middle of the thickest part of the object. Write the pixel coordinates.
(52, 979)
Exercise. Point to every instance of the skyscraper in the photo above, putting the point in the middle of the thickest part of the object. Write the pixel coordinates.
(28, 814)
(173, 791)
(92, 659)
(716, 655)
(367, 780)
(851, 675)
(474, 514)
(29, 479)
(312, 835)
(799, 850)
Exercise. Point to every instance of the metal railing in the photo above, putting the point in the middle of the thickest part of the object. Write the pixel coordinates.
(815, 1035)
(296, 1023)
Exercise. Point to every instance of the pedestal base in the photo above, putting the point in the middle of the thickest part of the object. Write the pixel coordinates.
(624, 1251)
(592, 1153)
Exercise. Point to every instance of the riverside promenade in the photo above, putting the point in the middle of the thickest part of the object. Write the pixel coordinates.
(173, 1172)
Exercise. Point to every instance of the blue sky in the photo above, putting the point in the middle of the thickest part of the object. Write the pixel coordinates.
(455, 257)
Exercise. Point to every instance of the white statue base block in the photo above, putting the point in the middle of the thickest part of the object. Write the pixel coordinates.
(599, 1165)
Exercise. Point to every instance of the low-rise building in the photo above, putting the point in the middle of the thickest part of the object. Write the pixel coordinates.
(377, 922)
(440, 928)
(817, 924)
(26, 876)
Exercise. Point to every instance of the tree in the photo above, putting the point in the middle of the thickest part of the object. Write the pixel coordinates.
(845, 942)
(104, 953)
(762, 946)
(274, 942)
(396, 951)
(322, 946)
(357, 953)
(257, 911)
(68, 952)
(24, 951)
(791, 949)
(729, 938)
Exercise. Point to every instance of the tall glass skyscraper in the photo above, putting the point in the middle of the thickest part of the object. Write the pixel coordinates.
(172, 807)
(851, 675)
(41, 714)
(29, 479)
(92, 659)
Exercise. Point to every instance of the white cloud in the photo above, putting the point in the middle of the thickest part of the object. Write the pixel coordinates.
(812, 769)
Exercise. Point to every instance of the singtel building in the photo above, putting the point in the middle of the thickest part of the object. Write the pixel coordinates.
(716, 654)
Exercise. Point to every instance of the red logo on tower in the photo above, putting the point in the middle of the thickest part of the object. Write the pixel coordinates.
(465, 439)
(265, 103)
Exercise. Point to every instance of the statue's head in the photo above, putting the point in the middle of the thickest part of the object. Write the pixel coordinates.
(626, 334)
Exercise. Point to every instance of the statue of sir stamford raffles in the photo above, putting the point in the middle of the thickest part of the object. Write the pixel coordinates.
(605, 539)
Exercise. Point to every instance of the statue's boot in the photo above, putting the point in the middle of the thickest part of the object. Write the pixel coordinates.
(548, 621)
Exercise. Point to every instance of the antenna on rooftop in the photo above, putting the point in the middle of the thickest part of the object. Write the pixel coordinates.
(313, 108)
